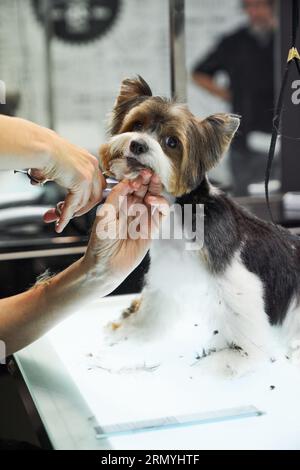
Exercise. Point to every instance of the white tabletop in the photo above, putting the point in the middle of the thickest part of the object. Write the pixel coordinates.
(74, 394)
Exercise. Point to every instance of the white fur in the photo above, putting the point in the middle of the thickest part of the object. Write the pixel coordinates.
(289, 333)
(181, 292)
(184, 303)
(155, 158)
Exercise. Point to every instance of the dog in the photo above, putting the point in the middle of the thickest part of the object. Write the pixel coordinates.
(241, 289)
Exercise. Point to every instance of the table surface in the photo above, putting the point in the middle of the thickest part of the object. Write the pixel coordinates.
(74, 393)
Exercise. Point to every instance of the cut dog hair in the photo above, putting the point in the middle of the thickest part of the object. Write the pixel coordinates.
(248, 270)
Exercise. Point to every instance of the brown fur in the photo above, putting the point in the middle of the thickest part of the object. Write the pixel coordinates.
(135, 305)
(201, 142)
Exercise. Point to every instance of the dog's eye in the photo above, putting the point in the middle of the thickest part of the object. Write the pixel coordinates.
(172, 142)
(137, 126)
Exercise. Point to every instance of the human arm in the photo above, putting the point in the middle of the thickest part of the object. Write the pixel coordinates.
(208, 83)
(24, 144)
(107, 262)
(204, 71)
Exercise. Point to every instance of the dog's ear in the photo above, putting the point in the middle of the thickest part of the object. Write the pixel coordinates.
(207, 141)
(216, 133)
(132, 92)
(133, 88)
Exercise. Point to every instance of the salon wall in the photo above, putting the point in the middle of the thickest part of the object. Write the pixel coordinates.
(87, 76)
(206, 22)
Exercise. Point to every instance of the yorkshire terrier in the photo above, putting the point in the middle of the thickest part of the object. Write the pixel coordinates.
(241, 288)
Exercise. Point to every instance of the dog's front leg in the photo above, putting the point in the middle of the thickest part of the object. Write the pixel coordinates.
(126, 316)
(146, 318)
(245, 325)
(130, 342)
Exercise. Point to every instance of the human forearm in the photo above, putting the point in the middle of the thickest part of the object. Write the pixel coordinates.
(25, 317)
(24, 144)
(49, 156)
(207, 82)
(107, 262)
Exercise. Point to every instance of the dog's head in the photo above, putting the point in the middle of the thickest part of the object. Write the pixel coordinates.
(153, 132)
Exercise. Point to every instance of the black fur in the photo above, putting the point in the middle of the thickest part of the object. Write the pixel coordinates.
(268, 251)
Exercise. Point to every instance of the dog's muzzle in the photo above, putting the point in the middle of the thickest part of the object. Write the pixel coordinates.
(138, 147)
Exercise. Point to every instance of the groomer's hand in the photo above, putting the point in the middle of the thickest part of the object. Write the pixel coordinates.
(124, 227)
(24, 144)
(76, 170)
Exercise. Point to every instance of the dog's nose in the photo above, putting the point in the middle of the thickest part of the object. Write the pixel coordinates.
(138, 147)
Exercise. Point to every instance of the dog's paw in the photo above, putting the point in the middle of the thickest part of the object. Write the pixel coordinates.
(132, 309)
(120, 329)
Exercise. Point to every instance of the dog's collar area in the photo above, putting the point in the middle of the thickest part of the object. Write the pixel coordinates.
(202, 189)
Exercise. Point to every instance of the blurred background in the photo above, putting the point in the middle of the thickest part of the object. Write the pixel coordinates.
(62, 62)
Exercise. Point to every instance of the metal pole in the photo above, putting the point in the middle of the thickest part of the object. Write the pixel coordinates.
(177, 50)
(49, 65)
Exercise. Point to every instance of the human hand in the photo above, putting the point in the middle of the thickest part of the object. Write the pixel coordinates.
(124, 227)
(76, 170)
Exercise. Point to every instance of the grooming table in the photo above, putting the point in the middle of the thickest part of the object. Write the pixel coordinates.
(70, 398)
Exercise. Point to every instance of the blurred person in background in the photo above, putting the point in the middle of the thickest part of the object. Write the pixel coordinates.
(246, 56)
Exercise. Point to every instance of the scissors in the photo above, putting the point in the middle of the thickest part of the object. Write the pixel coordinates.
(110, 183)
(29, 175)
